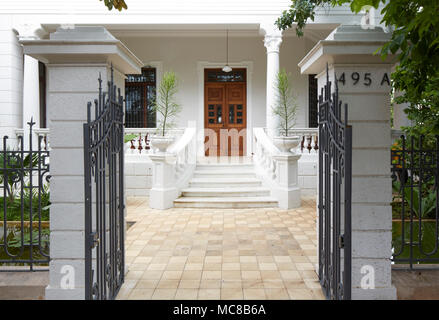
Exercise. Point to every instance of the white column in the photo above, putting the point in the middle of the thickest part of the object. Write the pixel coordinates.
(272, 41)
(31, 98)
(31, 84)
(11, 80)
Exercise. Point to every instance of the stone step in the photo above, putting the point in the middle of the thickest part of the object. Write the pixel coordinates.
(223, 173)
(224, 182)
(226, 202)
(225, 192)
(225, 166)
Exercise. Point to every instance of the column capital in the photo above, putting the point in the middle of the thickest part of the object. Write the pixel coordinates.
(30, 31)
(272, 36)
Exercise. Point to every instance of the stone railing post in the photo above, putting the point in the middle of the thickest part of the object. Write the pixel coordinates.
(287, 187)
(164, 190)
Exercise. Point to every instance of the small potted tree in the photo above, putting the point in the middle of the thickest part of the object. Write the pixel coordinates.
(168, 108)
(286, 109)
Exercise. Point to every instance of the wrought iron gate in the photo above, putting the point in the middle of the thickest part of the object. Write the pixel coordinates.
(335, 182)
(104, 194)
(415, 205)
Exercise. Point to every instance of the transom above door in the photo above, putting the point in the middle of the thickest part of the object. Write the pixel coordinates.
(225, 112)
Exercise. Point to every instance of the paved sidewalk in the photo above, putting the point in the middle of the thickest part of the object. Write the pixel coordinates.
(185, 253)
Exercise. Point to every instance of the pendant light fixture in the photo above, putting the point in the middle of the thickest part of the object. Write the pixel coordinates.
(227, 68)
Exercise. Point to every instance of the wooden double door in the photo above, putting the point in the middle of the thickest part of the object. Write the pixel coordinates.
(225, 114)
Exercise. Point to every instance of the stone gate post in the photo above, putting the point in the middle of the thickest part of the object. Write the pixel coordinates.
(364, 84)
(74, 59)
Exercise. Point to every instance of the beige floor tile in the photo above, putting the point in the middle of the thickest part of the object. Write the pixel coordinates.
(212, 266)
(231, 275)
(252, 284)
(295, 284)
(186, 294)
(141, 294)
(270, 275)
(231, 266)
(147, 284)
(249, 266)
(189, 284)
(210, 284)
(194, 266)
(172, 275)
(251, 275)
(318, 294)
(211, 275)
(277, 294)
(175, 266)
(213, 259)
(209, 294)
(248, 259)
(232, 294)
(134, 275)
(156, 266)
(300, 294)
(164, 294)
(168, 284)
(191, 275)
(267, 266)
(290, 275)
(273, 284)
(254, 294)
(152, 275)
(231, 284)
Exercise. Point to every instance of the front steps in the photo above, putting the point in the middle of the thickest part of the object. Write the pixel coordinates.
(225, 185)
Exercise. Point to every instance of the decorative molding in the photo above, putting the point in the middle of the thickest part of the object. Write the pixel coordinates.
(272, 43)
(272, 37)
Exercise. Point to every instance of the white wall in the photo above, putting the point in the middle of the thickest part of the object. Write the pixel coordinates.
(11, 78)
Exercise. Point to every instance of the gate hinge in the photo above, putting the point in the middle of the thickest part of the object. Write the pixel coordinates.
(341, 241)
(94, 240)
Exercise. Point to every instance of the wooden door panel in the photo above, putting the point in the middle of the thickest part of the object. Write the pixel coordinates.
(225, 118)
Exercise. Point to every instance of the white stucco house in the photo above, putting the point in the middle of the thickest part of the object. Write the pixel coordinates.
(52, 52)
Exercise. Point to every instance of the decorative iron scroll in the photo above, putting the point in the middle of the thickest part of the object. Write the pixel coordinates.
(24, 200)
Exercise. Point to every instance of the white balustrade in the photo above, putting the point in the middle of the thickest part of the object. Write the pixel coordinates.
(39, 134)
(278, 171)
(309, 139)
(172, 170)
(141, 143)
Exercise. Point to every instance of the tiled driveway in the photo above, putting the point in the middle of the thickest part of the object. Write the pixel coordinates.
(185, 253)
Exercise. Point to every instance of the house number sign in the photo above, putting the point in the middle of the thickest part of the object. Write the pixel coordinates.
(363, 78)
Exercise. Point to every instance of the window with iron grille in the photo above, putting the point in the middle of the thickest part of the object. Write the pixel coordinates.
(140, 90)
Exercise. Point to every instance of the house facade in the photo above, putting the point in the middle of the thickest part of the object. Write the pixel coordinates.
(53, 51)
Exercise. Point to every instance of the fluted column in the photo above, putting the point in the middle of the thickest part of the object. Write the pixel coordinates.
(272, 41)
